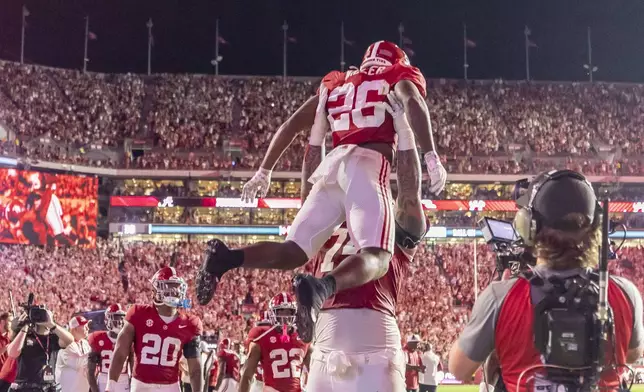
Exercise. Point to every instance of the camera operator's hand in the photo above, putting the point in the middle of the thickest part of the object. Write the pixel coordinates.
(50, 320)
(20, 322)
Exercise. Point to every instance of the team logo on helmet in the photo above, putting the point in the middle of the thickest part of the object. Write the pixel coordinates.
(383, 54)
(114, 318)
(169, 288)
(281, 309)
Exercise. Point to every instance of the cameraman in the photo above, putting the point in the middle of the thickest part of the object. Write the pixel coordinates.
(35, 349)
(565, 232)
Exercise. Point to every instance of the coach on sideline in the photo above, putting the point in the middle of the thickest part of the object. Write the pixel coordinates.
(565, 229)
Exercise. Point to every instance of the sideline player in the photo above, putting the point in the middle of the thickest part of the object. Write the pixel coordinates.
(102, 345)
(278, 348)
(160, 334)
(351, 185)
(262, 326)
(228, 364)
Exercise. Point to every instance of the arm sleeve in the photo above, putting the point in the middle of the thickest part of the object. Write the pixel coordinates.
(634, 296)
(191, 348)
(477, 339)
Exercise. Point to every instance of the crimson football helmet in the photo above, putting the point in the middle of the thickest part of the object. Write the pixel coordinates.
(383, 54)
(281, 309)
(114, 318)
(224, 344)
(169, 288)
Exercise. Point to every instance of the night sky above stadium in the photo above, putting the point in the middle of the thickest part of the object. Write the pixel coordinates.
(184, 35)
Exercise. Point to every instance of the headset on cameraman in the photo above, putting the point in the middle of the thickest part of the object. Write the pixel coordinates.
(586, 306)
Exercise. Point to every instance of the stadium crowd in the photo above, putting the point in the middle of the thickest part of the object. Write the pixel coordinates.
(481, 127)
(69, 280)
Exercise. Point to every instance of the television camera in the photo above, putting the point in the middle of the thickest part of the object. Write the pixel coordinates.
(36, 314)
(573, 325)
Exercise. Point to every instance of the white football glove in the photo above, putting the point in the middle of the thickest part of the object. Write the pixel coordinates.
(437, 173)
(256, 186)
(396, 108)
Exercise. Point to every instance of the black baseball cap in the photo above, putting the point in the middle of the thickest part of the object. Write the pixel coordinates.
(568, 192)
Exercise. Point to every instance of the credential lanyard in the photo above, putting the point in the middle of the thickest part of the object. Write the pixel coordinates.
(43, 347)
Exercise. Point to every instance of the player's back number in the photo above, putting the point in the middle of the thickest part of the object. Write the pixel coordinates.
(348, 101)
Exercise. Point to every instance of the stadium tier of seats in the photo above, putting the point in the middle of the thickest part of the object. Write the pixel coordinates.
(203, 122)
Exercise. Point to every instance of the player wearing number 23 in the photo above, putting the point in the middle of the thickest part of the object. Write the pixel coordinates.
(100, 358)
(278, 348)
(160, 335)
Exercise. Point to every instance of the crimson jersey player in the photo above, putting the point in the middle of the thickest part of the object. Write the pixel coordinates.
(261, 327)
(366, 110)
(278, 348)
(160, 335)
(100, 358)
(228, 364)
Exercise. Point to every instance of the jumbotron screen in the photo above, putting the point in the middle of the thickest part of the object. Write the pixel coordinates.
(47, 209)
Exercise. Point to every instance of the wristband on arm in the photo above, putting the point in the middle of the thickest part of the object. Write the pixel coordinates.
(406, 139)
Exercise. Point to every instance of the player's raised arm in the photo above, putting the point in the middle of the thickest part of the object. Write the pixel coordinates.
(421, 125)
(250, 367)
(410, 219)
(121, 352)
(313, 153)
(302, 119)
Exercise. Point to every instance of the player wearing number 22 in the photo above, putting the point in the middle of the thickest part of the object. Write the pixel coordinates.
(160, 334)
(279, 349)
(351, 184)
(100, 358)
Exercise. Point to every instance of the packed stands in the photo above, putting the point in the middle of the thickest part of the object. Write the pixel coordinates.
(203, 122)
(73, 279)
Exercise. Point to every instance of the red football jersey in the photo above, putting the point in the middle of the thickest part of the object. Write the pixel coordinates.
(352, 103)
(380, 295)
(158, 345)
(232, 363)
(253, 334)
(411, 376)
(282, 361)
(102, 343)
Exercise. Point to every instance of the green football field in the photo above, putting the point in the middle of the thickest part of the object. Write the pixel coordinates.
(475, 388)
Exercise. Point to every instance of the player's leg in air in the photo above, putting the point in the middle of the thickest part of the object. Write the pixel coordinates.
(322, 212)
(352, 185)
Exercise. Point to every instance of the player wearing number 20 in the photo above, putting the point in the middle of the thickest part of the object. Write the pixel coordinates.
(278, 348)
(100, 358)
(160, 334)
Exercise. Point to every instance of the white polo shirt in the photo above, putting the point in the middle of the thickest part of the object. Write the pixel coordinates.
(71, 366)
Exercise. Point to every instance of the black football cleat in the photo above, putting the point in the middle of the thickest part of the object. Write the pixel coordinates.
(217, 260)
(310, 293)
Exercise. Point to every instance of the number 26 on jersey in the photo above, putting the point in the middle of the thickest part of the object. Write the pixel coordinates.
(346, 104)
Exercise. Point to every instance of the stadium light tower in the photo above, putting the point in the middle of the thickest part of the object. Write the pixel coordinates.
(589, 66)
